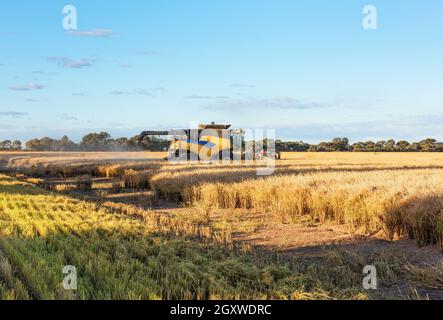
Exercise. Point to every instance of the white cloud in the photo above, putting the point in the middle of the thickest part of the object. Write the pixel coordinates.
(13, 114)
(27, 87)
(97, 33)
(142, 92)
(66, 116)
(151, 53)
(202, 97)
(284, 103)
(119, 92)
(71, 63)
(241, 85)
(400, 127)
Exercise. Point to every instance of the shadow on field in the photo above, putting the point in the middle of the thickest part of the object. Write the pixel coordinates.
(420, 218)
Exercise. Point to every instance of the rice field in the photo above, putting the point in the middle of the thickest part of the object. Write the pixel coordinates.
(140, 228)
(397, 194)
(131, 254)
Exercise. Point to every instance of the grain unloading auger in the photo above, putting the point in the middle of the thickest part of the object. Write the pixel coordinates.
(207, 143)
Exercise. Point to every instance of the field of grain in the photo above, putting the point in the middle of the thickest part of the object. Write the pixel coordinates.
(138, 227)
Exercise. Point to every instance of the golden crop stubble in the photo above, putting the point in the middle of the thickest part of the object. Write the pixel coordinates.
(123, 252)
(400, 203)
(397, 193)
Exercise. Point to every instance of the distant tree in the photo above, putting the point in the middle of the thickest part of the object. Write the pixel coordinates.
(414, 147)
(298, 146)
(125, 144)
(337, 144)
(390, 145)
(428, 145)
(380, 146)
(155, 144)
(312, 148)
(324, 147)
(32, 145)
(97, 141)
(358, 147)
(402, 146)
(135, 145)
(340, 144)
(368, 146)
(44, 144)
(5, 145)
(65, 144)
(291, 146)
(104, 142)
(371, 146)
(16, 145)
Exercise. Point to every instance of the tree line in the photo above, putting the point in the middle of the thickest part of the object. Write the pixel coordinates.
(103, 141)
(343, 145)
(9, 145)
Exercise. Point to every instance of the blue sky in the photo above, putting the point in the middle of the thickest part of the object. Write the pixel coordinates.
(306, 68)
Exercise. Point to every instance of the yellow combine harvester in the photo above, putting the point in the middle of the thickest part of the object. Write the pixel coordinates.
(207, 143)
